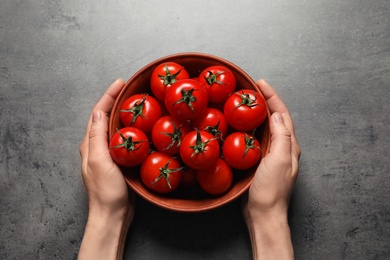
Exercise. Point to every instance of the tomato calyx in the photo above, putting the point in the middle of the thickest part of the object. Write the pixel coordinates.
(246, 100)
(249, 144)
(214, 130)
(128, 143)
(212, 78)
(187, 98)
(199, 145)
(137, 109)
(169, 78)
(175, 135)
(165, 172)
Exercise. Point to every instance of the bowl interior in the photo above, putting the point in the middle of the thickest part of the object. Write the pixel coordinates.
(188, 200)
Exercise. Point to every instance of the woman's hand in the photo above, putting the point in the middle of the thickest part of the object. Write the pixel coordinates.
(266, 205)
(110, 209)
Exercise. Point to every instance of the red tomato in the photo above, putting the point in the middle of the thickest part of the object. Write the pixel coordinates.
(241, 150)
(245, 110)
(161, 172)
(129, 146)
(188, 179)
(167, 134)
(199, 150)
(164, 75)
(212, 121)
(219, 81)
(217, 179)
(140, 111)
(186, 99)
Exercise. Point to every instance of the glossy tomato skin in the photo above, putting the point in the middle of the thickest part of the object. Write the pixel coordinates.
(241, 150)
(219, 81)
(245, 110)
(201, 159)
(217, 179)
(161, 172)
(140, 111)
(212, 121)
(168, 133)
(186, 99)
(139, 145)
(164, 75)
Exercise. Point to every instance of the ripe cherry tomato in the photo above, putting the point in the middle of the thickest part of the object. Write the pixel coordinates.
(129, 146)
(212, 121)
(219, 81)
(140, 111)
(188, 179)
(217, 179)
(199, 150)
(164, 75)
(241, 150)
(186, 99)
(245, 110)
(161, 172)
(167, 134)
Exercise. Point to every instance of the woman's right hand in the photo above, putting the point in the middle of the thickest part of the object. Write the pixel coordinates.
(266, 205)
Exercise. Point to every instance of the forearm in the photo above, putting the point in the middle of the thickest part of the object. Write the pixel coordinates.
(104, 236)
(270, 237)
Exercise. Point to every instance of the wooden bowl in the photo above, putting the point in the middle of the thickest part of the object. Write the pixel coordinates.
(190, 200)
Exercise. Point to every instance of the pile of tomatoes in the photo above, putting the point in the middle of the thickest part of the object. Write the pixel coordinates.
(189, 130)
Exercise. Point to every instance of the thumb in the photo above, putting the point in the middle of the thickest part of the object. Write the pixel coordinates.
(98, 134)
(280, 136)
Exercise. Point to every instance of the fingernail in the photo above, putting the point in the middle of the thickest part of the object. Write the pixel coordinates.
(278, 117)
(96, 116)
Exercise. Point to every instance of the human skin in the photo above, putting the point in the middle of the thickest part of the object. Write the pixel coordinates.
(111, 204)
(265, 206)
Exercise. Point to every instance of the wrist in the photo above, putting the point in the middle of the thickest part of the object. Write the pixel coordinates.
(105, 233)
(105, 224)
(264, 212)
(270, 235)
(101, 215)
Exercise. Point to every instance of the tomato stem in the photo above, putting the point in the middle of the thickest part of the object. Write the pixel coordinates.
(175, 136)
(213, 78)
(246, 100)
(214, 130)
(128, 143)
(169, 78)
(249, 144)
(199, 145)
(187, 98)
(165, 172)
(137, 109)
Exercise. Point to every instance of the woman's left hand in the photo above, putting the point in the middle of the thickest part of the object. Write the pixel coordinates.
(110, 209)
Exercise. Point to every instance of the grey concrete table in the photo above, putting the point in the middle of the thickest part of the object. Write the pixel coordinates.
(329, 60)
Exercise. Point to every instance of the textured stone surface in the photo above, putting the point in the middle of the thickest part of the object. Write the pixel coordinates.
(329, 60)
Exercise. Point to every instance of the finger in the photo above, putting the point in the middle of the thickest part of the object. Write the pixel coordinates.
(105, 104)
(84, 159)
(275, 103)
(107, 101)
(295, 148)
(98, 146)
(281, 137)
